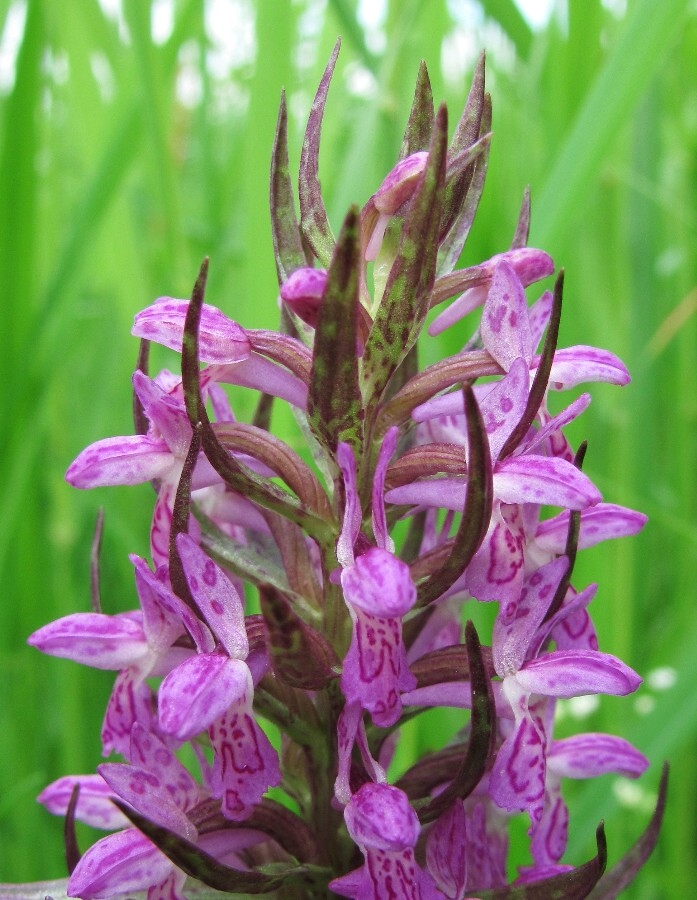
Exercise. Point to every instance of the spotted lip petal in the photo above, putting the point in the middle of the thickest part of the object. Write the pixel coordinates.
(220, 339)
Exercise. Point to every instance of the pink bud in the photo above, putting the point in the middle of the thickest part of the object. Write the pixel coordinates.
(303, 292)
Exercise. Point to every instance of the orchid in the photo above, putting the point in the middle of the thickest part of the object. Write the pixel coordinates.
(301, 604)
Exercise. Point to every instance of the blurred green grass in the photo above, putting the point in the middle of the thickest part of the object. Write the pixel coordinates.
(127, 153)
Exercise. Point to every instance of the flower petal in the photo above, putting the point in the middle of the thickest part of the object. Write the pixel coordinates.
(94, 803)
(132, 459)
(380, 584)
(380, 817)
(575, 673)
(94, 639)
(591, 754)
(220, 339)
(120, 863)
(215, 596)
(602, 522)
(539, 479)
(576, 365)
(198, 691)
(147, 793)
(505, 322)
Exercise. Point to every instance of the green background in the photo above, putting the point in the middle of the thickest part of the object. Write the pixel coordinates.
(129, 150)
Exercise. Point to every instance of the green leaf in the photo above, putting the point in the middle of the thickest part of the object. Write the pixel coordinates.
(202, 866)
(405, 301)
(574, 885)
(451, 248)
(313, 215)
(287, 244)
(300, 656)
(623, 872)
(417, 135)
(335, 410)
(647, 35)
(467, 133)
(482, 733)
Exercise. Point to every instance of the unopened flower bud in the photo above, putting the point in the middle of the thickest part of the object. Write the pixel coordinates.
(303, 292)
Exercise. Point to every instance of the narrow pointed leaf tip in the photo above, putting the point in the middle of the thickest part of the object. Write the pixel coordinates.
(335, 407)
(314, 221)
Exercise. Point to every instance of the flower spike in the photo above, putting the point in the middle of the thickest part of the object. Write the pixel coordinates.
(306, 596)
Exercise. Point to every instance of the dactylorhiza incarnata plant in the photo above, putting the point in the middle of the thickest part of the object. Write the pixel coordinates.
(357, 631)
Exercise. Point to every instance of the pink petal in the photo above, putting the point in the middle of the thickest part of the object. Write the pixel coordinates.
(131, 701)
(215, 596)
(503, 406)
(380, 584)
(517, 780)
(518, 621)
(588, 755)
(575, 673)
(352, 510)
(375, 669)
(263, 374)
(553, 425)
(174, 606)
(150, 753)
(220, 339)
(598, 523)
(540, 313)
(245, 763)
(550, 834)
(94, 804)
(446, 493)
(148, 795)
(458, 309)
(303, 291)
(94, 639)
(496, 572)
(444, 851)
(132, 459)
(576, 365)
(389, 445)
(538, 479)
(198, 691)
(379, 817)
(399, 184)
(505, 325)
(120, 863)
